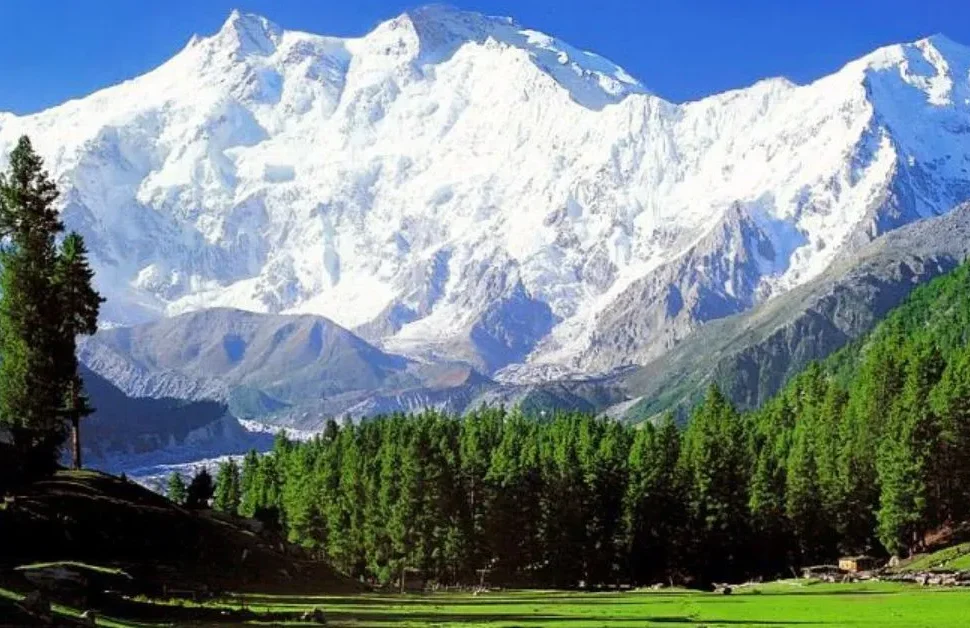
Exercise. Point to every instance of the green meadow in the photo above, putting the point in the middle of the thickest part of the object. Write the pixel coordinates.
(791, 603)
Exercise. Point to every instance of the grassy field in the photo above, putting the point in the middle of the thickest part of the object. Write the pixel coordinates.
(777, 604)
(877, 604)
(953, 558)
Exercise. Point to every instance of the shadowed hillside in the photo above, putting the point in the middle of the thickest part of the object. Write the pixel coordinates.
(90, 517)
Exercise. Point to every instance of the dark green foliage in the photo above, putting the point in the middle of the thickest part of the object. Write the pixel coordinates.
(32, 382)
(532, 502)
(871, 444)
(176, 490)
(714, 468)
(653, 512)
(868, 446)
(200, 490)
(46, 301)
(78, 306)
(227, 493)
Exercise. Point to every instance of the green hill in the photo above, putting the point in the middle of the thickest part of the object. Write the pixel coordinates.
(90, 518)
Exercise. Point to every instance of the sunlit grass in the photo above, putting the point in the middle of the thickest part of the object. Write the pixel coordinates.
(786, 603)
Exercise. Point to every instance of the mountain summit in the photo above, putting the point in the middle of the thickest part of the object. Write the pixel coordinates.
(452, 185)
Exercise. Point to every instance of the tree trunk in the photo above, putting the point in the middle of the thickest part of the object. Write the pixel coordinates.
(76, 425)
(76, 439)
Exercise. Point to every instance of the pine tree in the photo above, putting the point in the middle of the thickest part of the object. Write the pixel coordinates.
(200, 490)
(905, 456)
(951, 466)
(32, 379)
(305, 521)
(227, 493)
(176, 491)
(871, 397)
(79, 305)
(715, 469)
(249, 485)
(803, 497)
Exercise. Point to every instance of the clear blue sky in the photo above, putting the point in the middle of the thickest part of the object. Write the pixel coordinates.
(52, 50)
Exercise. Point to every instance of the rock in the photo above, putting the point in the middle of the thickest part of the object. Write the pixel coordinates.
(895, 561)
(89, 618)
(316, 616)
(726, 591)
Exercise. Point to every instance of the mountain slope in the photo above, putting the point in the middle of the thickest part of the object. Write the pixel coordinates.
(455, 186)
(266, 364)
(126, 431)
(752, 355)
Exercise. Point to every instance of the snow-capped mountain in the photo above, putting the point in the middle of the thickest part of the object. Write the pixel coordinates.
(457, 186)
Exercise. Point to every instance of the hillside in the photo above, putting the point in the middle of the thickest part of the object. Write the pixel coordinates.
(286, 367)
(751, 355)
(91, 518)
(870, 444)
(124, 426)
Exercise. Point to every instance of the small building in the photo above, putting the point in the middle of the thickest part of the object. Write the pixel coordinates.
(854, 564)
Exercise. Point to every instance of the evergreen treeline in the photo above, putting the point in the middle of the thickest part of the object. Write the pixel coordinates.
(46, 301)
(862, 454)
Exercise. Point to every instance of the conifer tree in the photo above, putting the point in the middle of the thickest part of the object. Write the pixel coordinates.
(803, 496)
(905, 457)
(79, 305)
(46, 301)
(249, 484)
(32, 381)
(714, 466)
(226, 496)
(200, 490)
(951, 466)
(176, 490)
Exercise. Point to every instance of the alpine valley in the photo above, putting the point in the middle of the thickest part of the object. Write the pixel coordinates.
(454, 209)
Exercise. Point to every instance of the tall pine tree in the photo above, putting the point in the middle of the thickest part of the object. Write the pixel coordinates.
(79, 306)
(32, 382)
(47, 300)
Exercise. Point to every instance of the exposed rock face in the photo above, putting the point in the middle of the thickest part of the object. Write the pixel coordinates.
(299, 369)
(717, 277)
(751, 355)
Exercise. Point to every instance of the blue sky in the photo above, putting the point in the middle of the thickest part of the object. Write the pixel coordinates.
(53, 50)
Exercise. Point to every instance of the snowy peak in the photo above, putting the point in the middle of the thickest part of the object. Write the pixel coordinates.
(432, 34)
(457, 186)
(439, 25)
(935, 66)
(247, 34)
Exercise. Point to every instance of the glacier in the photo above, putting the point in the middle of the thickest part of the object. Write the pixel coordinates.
(457, 187)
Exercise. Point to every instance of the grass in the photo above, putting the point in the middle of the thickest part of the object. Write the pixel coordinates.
(788, 603)
(792, 603)
(956, 557)
(66, 615)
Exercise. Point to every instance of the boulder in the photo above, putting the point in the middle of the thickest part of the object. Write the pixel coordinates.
(316, 616)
